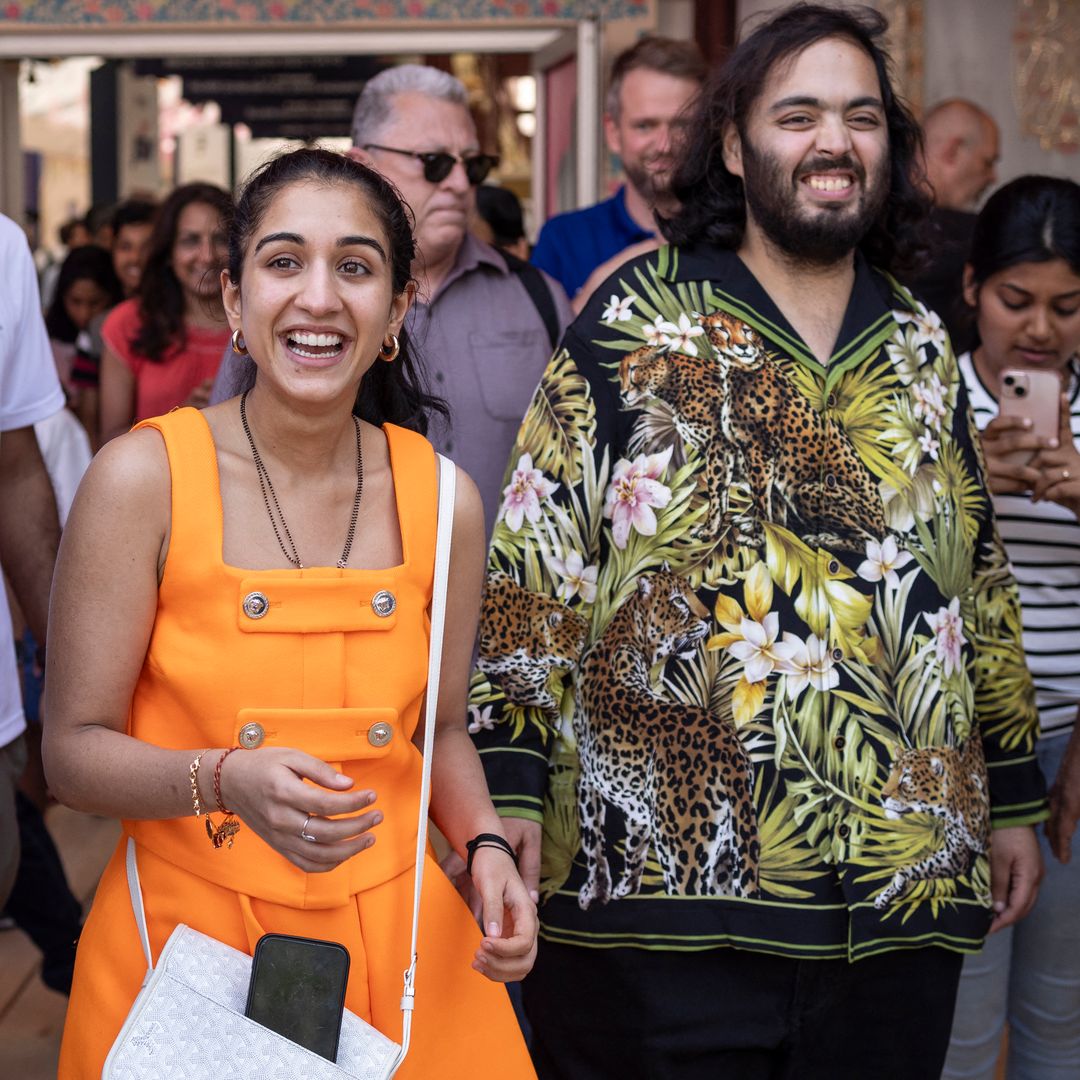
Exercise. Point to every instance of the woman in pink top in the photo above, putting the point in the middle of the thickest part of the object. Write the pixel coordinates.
(162, 348)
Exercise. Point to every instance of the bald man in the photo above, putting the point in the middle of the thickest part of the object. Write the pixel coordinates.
(960, 156)
(961, 153)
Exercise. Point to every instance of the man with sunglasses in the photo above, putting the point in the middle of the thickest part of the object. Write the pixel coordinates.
(483, 323)
(478, 322)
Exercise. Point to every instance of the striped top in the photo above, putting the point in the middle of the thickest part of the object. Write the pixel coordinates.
(1043, 542)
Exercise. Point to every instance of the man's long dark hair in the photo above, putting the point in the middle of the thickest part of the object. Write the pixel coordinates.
(712, 203)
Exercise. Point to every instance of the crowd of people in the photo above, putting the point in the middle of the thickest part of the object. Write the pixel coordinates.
(756, 750)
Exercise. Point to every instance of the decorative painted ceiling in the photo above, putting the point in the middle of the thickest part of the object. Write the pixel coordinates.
(38, 15)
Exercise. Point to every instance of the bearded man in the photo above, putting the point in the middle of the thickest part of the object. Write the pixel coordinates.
(651, 85)
(750, 691)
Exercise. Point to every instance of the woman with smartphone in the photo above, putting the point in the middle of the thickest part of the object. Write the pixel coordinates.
(1023, 377)
(239, 642)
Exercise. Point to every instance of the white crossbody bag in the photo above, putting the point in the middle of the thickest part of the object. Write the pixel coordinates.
(188, 1021)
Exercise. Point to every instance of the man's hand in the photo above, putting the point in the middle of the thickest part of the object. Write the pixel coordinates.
(1016, 868)
(525, 837)
(1065, 801)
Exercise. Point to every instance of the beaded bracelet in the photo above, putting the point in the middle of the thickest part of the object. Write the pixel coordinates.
(487, 839)
(217, 779)
(220, 835)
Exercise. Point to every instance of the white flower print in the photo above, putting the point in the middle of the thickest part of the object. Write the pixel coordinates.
(634, 491)
(756, 649)
(678, 336)
(481, 719)
(930, 402)
(929, 444)
(577, 577)
(654, 331)
(948, 628)
(521, 497)
(805, 663)
(882, 561)
(928, 327)
(618, 310)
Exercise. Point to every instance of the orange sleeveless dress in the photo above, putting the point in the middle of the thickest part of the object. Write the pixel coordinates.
(316, 672)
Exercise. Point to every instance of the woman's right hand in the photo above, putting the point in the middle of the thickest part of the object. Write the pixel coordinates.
(266, 789)
(1005, 435)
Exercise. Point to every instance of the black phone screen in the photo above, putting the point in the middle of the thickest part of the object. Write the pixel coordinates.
(298, 990)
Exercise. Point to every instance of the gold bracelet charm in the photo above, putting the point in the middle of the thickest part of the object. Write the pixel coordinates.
(220, 835)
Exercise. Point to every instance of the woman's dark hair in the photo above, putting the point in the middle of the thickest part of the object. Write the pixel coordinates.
(712, 204)
(161, 298)
(1031, 219)
(89, 263)
(394, 392)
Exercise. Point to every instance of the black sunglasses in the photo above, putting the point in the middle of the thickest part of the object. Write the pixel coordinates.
(438, 163)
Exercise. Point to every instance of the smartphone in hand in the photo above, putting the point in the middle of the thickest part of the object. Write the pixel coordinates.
(298, 990)
(1035, 396)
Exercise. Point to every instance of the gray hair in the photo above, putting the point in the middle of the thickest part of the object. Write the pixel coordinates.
(374, 107)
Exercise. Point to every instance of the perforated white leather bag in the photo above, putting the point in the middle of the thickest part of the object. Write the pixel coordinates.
(188, 1021)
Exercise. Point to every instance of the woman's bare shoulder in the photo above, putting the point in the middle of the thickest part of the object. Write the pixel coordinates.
(129, 476)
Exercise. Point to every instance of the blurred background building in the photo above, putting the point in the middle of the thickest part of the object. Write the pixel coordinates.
(110, 98)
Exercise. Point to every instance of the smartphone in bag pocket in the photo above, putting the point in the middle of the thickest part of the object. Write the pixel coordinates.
(1036, 396)
(298, 990)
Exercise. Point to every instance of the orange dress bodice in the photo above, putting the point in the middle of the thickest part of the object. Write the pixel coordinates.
(316, 668)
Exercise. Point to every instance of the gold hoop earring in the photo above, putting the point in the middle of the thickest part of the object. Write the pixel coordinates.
(389, 351)
(239, 346)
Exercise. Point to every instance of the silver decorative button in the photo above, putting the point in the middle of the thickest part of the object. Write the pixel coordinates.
(251, 736)
(380, 734)
(255, 605)
(383, 603)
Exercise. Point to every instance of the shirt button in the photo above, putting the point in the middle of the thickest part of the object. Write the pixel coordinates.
(251, 736)
(838, 655)
(839, 742)
(830, 401)
(834, 566)
(449, 447)
(830, 480)
(439, 377)
(843, 832)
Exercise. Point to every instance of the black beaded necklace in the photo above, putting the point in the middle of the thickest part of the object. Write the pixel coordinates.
(269, 495)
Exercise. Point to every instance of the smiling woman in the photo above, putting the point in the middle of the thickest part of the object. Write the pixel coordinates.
(163, 347)
(258, 576)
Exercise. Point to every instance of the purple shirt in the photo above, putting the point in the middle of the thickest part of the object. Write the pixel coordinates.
(483, 346)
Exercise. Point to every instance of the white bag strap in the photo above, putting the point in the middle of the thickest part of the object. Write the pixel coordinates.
(447, 487)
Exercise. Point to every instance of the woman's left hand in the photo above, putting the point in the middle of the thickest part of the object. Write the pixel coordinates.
(509, 918)
(1059, 468)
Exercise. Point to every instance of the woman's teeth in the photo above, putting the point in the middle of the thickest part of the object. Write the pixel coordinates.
(314, 346)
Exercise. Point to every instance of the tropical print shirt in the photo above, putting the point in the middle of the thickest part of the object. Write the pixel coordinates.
(750, 645)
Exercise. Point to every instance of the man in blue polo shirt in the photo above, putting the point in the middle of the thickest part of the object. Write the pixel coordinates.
(651, 83)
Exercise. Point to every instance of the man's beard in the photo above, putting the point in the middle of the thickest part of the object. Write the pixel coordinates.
(819, 237)
(651, 184)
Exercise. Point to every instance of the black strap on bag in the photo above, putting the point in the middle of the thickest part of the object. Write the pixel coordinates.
(539, 293)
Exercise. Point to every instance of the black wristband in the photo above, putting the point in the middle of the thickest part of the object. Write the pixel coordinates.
(487, 839)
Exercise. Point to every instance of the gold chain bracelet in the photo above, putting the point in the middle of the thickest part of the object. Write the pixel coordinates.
(220, 835)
